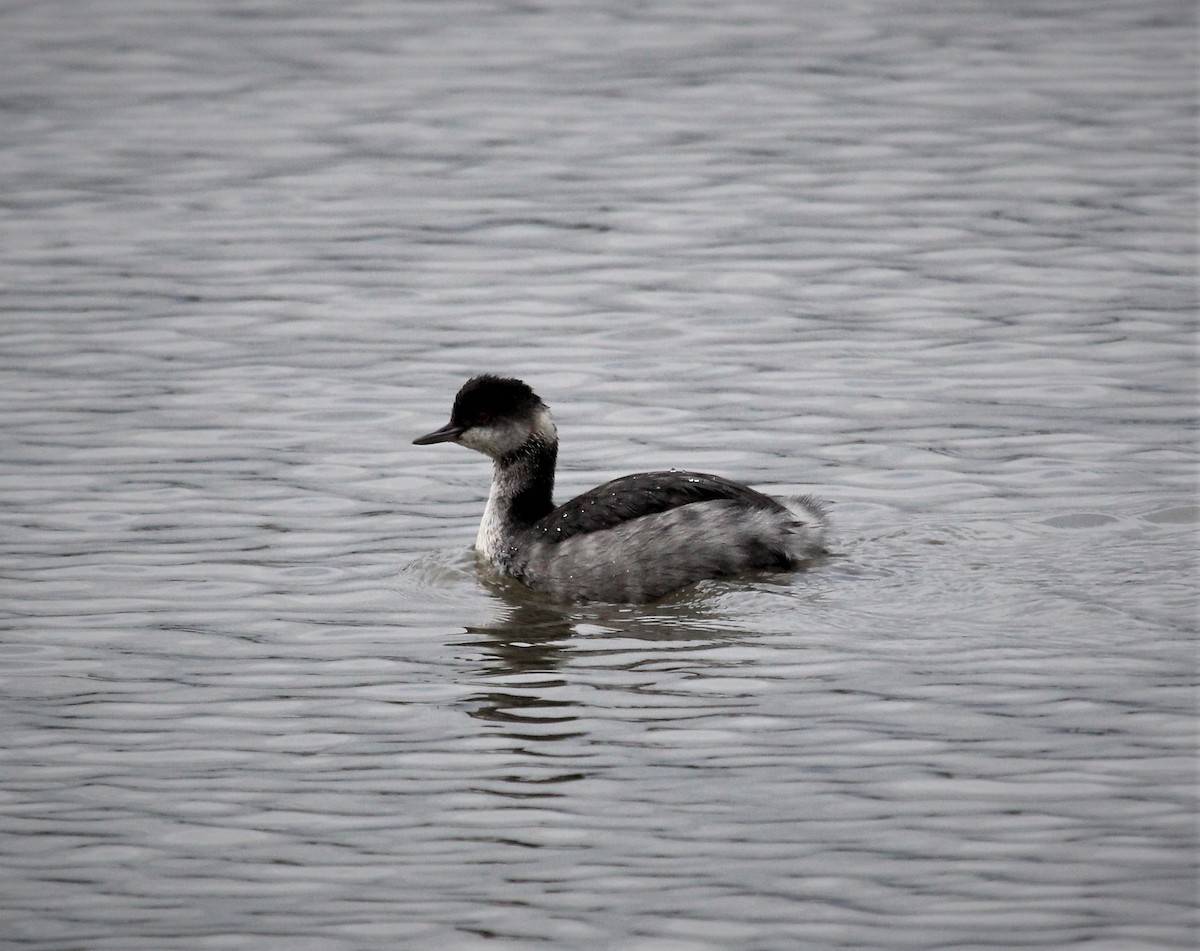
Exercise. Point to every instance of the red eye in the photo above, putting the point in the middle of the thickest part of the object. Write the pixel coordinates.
(482, 416)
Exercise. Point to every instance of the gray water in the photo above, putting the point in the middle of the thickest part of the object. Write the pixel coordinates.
(932, 262)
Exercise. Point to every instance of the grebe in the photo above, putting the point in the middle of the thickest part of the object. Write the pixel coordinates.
(630, 540)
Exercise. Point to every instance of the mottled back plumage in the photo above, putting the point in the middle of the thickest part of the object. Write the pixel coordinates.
(647, 493)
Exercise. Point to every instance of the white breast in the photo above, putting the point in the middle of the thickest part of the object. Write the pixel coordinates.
(491, 542)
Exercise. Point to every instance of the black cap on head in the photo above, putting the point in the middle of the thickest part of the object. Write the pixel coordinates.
(486, 397)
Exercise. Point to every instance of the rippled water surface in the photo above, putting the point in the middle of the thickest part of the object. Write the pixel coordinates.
(932, 262)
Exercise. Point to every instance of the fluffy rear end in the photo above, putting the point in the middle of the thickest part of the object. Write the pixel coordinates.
(806, 538)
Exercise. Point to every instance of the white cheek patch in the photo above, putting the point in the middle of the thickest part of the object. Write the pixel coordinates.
(499, 439)
(543, 426)
(494, 440)
(481, 440)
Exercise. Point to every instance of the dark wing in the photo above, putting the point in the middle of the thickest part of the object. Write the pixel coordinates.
(646, 493)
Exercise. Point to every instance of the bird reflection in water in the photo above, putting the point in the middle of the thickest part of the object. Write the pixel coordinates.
(530, 641)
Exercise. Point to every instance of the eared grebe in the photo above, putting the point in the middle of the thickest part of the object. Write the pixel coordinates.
(632, 539)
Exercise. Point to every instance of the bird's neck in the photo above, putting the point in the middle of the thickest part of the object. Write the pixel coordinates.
(522, 492)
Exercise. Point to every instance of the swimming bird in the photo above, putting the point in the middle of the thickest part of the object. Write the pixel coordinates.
(630, 540)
